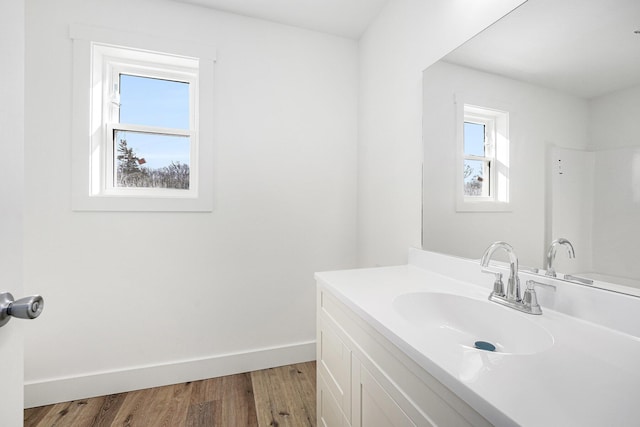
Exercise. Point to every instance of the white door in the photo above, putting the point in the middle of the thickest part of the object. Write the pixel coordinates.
(12, 58)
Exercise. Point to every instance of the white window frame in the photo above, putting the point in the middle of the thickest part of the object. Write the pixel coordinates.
(115, 61)
(496, 122)
(100, 56)
(477, 116)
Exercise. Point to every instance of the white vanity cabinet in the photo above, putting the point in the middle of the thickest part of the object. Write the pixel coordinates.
(366, 381)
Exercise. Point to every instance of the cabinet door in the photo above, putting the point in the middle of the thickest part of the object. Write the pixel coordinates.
(334, 365)
(377, 408)
(329, 410)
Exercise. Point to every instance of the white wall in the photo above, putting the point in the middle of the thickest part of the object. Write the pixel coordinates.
(407, 37)
(138, 299)
(12, 53)
(614, 120)
(533, 127)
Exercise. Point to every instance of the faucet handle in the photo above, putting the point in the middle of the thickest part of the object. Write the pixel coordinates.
(532, 283)
(498, 285)
(530, 298)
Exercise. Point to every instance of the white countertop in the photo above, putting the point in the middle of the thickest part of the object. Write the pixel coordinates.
(590, 376)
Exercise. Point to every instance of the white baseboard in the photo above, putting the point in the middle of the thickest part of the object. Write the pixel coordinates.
(38, 393)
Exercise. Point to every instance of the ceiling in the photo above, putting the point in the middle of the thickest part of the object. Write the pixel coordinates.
(584, 47)
(346, 18)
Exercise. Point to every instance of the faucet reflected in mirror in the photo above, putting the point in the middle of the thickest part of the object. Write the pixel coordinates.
(551, 254)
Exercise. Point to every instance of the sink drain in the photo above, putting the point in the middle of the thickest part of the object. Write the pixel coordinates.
(483, 345)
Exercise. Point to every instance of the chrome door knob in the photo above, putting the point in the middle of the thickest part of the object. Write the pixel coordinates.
(24, 308)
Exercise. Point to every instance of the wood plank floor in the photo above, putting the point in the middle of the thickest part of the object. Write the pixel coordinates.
(276, 397)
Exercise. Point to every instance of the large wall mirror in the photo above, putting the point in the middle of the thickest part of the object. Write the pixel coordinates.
(564, 75)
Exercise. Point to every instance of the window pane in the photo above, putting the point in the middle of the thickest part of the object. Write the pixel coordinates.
(154, 102)
(151, 160)
(475, 183)
(474, 139)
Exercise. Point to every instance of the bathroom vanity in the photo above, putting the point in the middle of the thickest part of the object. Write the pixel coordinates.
(396, 347)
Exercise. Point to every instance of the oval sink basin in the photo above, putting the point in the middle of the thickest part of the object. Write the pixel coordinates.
(467, 321)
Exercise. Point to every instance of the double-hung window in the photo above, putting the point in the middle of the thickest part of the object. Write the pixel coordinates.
(149, 125)
(483, 159)
(150, 133)
(479, 156)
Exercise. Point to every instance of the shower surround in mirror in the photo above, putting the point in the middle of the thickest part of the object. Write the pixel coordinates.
(601, 186)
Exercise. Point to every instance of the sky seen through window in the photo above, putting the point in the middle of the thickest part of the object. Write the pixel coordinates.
(161, 103)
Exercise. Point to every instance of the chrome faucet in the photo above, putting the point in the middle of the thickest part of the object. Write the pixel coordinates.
(511, 298)
(551, 254)
(513, 283)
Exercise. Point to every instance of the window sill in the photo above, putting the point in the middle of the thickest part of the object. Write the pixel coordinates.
(141, 204)
(482, 206)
